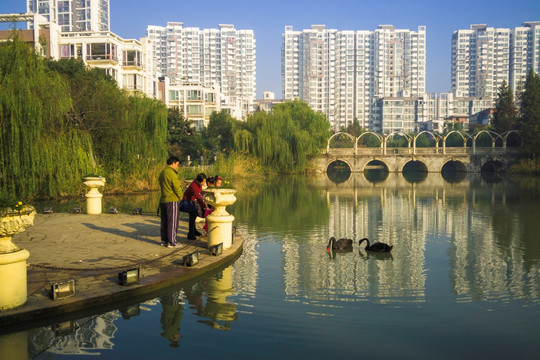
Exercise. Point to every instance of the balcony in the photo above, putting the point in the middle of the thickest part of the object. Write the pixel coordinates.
(132, 58)
(101, 53)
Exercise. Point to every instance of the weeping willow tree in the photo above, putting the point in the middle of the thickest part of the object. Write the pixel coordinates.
(284, 139)
(60, 121)
(139, 143)
(129, 133)
(40, 153)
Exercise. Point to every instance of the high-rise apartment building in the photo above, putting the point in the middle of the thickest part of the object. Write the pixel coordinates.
(480, 60)
(344, 73)
(224, 56)
(483, 57)
(73, 15)
(524, 54)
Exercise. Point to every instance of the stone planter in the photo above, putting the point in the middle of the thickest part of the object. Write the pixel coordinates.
(220, 221)
(93, 196)
(12, 258)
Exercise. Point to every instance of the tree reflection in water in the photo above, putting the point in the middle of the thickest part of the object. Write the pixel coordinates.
(464, 267)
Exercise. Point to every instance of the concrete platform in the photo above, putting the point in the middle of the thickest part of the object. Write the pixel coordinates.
(92, 249)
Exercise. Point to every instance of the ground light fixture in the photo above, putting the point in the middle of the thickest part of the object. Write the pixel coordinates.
(129, 277)
(191, 259)
(62, 290)
(216, 249)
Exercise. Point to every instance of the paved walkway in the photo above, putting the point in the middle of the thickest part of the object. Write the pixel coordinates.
(92, 249)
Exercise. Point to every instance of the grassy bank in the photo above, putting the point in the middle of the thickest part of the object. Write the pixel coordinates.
(236, 168)
(526, 166)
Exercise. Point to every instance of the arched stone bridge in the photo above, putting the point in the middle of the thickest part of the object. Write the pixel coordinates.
(467, 158)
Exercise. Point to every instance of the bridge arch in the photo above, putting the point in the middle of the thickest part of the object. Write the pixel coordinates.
(415, 166)
(493, 166)
(392, 135)
(492, 134)
(377, 135)
(376, 161)
(340, 133)
(464, 136)
(506, 134)
(334, 161)
(436, 138)
(453, 165)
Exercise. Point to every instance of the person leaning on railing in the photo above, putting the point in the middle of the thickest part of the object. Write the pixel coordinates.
(193, 194)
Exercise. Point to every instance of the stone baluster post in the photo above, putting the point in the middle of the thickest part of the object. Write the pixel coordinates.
(220, 221)
(13, 286)
(93, 196)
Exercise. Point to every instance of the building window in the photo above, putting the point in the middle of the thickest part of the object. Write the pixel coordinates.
(194, 110)
(101, 51)
(194, 95)
(131, 58)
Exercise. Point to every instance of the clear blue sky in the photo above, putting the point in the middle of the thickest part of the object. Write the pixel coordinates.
(129, 19)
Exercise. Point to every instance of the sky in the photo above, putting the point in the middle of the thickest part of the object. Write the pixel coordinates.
(130, 18)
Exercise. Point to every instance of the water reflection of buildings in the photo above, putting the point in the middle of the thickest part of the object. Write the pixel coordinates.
(82, 337)
(409, 216)
(86, 336)
(485, 266)
(246, 267)
(357, 212)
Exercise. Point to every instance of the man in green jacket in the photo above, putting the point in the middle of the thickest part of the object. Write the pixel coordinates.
(171, 193)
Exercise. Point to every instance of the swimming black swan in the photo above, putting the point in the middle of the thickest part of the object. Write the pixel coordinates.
(376, 247)
(341, 244)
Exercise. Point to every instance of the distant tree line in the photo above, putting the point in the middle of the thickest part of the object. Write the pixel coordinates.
(281, 141)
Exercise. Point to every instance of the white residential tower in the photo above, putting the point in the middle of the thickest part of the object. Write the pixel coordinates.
(344, 73)
(210, 57)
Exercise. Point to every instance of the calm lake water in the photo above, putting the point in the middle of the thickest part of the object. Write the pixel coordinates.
(463, 279)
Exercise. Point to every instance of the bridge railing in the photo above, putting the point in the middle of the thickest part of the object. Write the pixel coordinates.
(423, 151)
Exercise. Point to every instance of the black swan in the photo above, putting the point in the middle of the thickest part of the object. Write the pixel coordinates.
(376, 247)
(341, 244)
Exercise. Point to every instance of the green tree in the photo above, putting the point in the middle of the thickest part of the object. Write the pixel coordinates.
(40, 152)
(220, 132)
(183, 140)
(529, 120)
(60, 121)
(285, 138)
(504, 117)
(355, 129)
(341, 141)
(128, 132)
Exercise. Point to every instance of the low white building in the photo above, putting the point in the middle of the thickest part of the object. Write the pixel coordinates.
(429, 111)
(267, 102)
(125, 60)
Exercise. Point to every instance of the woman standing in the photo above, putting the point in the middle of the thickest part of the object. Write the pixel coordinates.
(193, 194)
